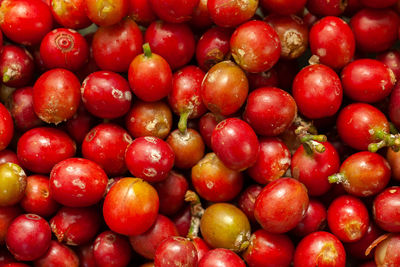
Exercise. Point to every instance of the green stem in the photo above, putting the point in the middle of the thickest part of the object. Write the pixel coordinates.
(336, 178)
(147, 50)
(196, 212)
(182, 124)
(6, 78)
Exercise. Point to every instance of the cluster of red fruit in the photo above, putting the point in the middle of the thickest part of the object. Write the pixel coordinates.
(199, 133)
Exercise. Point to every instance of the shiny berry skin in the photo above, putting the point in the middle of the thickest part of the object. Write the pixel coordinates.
(225, 138)
(367, 80)
(188, 147)
(263, 79)
(58, 255)
(207, 124)
(6, 127)
(394, 161)
(223, 225)
(286, 7)
(12, 184)
(313, 169)
(272, 162)
(215, 182)
(38, 199)
(77, 182)
(201, 16)
(141, 11)
(281, 205)
(7, 215)
(375, 30)
(146, 244)
(318, 91)
(270, 111)
(80, 124)
(175, 251)
(221, 257)
(185, 97)
(174, 11)
(75, 226)
(131, 206)
(348, 218)
(394, 101)
(8, 155)
(115, 46)
(224, 88)
(332, 40)
(28, 237)
(247, 200)
(86, 257)
(149, 158)
(385, 209)
(106, 13)
(363, 174)
(21, 108)
(255, 46)
(112, 250)
(16, 66)
(171, 193)
(227, 13)
(269, 250)
(359, 123)
(64, 48)
(165, 37)
(105, 145)
(25, 21)
(70, 14)
(387, 251)
(51, 144)
(320, 249)
(326, 7)
(56, 95)
(106, 94)
(149, 119)
(391, 59)
(150, 76)
(212, 47)
(313, 221)
(292, 32)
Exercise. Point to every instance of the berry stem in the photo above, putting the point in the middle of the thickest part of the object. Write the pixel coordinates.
(182, 124)
(147, 50)
(308, 136)
(336, 178)
(196, 212)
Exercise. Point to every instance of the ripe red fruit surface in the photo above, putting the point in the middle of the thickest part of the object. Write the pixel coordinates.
(51, 144)
(25, 21)
(115, 46)
(255, 46)
(28, 237)
(70, 14)
(385, 209)
(149, 158)
(225, 137)
(281, 205)
(56, 95)
(131, 206)
(6, 127)
(106, 94)
(227, 13)
(270, 111)
(320, 248)
(77, 182)
(58, 255)
(318, 91)
(111, 249)
(174, 11)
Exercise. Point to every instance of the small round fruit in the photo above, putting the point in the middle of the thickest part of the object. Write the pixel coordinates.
(12, 184)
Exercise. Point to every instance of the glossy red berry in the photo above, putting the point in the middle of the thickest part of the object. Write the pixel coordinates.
(25, 21)
(149, 158)
(314, 220)
(174, 11)
(28, 237)
(255, 46)
(332, 40)
(77, 182)
(70, 14)
(111, 249)
(367, 80)
(270, 111)
(106, 94)
(106, 13)
(58, 255)
(318, 91)
(348, 218)
(281, 205)
(175, 251)
(221, 257)
(286, 7)
(225, 137)
(6, 127)
(385, 209)
(227, 13)
(56, 95)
